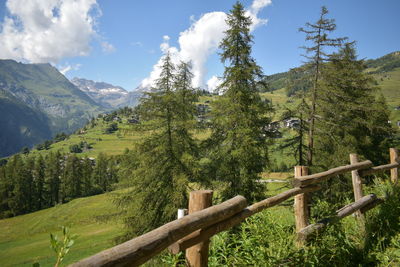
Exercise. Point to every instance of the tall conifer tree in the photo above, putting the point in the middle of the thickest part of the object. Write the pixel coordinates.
(239, 147)
(351, 119)
(39, 178)
(52, 178)
(317, 33)
(166, 153)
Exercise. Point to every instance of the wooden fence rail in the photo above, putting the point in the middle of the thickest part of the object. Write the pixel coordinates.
(140, 249)
(200, 225)
(306, 232)
(214, 229)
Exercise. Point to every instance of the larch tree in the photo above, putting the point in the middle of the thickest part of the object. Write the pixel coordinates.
(317, 34)
(39, 179)
(165, 155)
(351, 118)
(53, 178)
(239, 148)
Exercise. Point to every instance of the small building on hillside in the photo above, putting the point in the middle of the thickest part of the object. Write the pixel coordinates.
(133, 121)
(293, 123)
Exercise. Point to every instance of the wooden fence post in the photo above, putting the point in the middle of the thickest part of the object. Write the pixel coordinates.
(394, 173)
(301, 212)
(197, 256)
(357, 185)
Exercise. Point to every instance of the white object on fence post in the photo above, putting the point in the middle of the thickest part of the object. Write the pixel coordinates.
(182, 213)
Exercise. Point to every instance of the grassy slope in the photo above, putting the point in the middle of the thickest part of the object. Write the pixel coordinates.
(389, 82)
(25, 239)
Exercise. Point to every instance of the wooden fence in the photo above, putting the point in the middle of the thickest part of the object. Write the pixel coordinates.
(193, 232)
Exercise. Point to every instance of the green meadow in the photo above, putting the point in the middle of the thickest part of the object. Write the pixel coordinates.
(25, 239)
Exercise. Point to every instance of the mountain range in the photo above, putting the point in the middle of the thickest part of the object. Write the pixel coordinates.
(107, 95)
(37, 102)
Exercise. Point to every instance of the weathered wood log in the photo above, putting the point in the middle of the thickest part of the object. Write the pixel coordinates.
(322, 176)
(315, 228)
(208, 232)
(372, 205)
(140, 249)
(380, 168)
(197, 256)
(394, 173)
(301, 214)
(357, 185)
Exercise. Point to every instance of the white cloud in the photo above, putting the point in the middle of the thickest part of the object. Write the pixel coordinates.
(155, 73)
(107, 47)
(213, 83)
(201, 40)
(67, 67)
(253, 11)
(48, 30)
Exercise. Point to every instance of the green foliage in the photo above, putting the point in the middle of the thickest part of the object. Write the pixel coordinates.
(24, 239)
(165, 160)
(25, 150)
(33, 182)
(351, 120)
(386, 63)
(268, 238)
(237, 147)
(111, 128)
(75, 148)
(298, 80)
(62, 246)
(317, 34)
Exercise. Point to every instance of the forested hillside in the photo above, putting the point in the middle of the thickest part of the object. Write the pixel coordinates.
(42, 89)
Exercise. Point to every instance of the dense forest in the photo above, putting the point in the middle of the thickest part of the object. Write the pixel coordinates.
(29, 182)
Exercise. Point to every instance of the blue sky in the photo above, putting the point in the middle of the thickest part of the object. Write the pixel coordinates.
(119, 41)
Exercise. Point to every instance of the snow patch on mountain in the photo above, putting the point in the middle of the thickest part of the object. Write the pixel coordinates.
(105, 94)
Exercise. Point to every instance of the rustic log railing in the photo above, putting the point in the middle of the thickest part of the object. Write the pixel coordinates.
(203, 222)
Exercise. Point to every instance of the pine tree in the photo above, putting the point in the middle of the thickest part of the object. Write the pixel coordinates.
(23, 187)
(52, 178)
(5, 190)
(318, 34)
(296, 142)
(71, 176)
(87, 182)
(166, 154)
(99, 175)
(39, 178)
(351, 119)
(238, 153)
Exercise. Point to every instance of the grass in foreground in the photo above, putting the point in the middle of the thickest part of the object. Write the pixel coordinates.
(25, 239)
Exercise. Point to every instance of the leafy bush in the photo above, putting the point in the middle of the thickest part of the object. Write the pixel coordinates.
(75, 148)
(62, 246)
(268, 238)
(111, 128)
